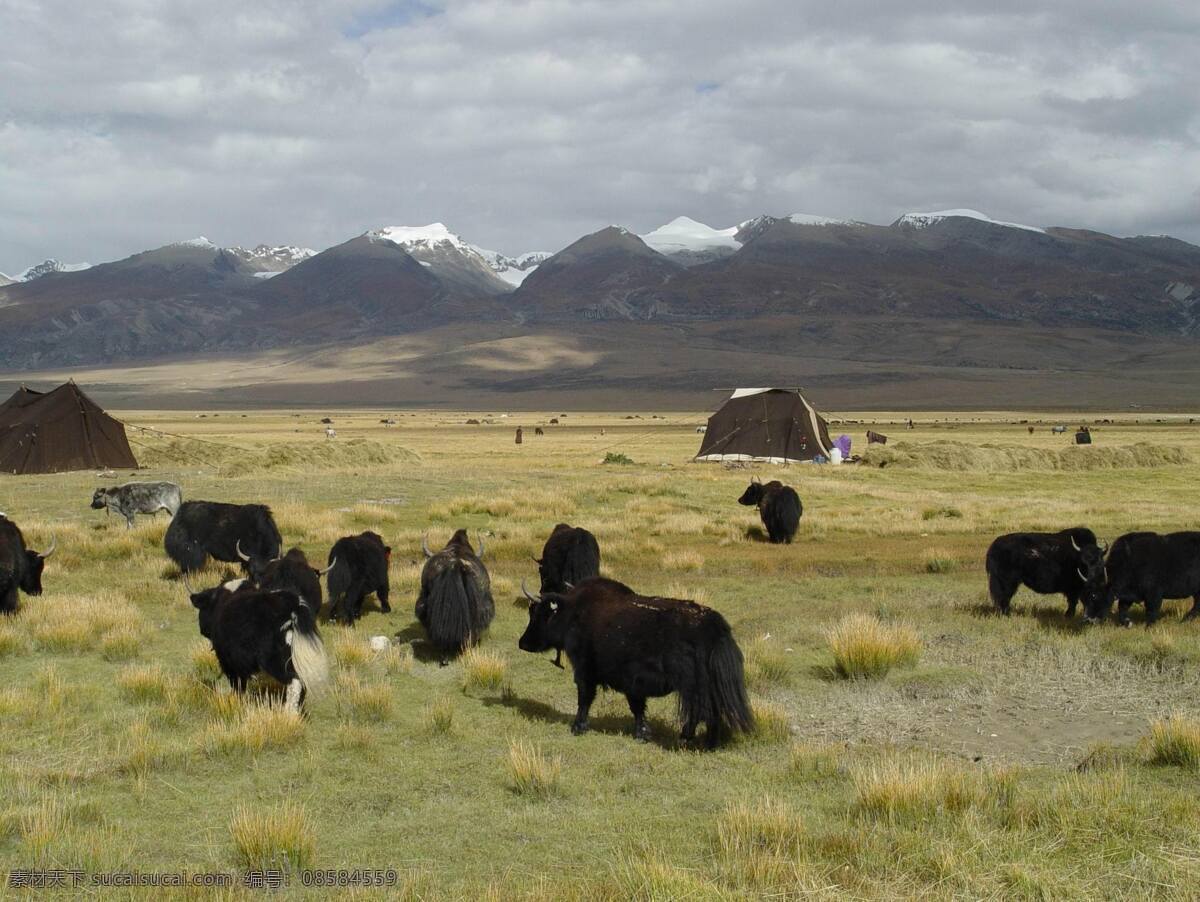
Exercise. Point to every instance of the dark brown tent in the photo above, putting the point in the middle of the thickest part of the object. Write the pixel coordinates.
(767, 424)
(58, 431)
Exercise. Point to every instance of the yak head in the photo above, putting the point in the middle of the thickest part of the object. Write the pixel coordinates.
(35, 563)
(1096, 596)
(753, 494)
(546, 625)
(100, 499)
(459, 545)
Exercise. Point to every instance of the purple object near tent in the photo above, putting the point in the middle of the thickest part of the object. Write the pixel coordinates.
(842, 443)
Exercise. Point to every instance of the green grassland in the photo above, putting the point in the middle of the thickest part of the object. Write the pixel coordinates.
(1020, 757)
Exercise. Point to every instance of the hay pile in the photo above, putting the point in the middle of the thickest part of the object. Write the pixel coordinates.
(1010, 458)
(227, 460)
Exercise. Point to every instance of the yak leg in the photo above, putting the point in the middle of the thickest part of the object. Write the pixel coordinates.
(9, 601)
(1072, 601)
(382, 594)
(637, 705)
(1123, 605)
(1002, 591)
(129, 517)
(557, 662)
(1195, 611)
(587, 695)
(294, 696)
(238, 683)
(688, 734)
(1153, 608)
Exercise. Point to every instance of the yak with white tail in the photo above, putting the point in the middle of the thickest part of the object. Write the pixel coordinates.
(260, 631)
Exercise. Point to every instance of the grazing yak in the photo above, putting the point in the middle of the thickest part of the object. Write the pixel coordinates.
(570, 556)
(236, 533)
(255, 630)
(20, 567)
(357, 566)
(778, 505)
(292, 573)
(644, 648)
(1047, 562)
(455, 605)
(1148, 567)
(135, 498)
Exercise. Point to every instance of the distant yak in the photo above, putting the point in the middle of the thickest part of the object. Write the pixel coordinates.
(779, 507)
(455, 604)
(235, 533)
(1047, 562)
(357, 566)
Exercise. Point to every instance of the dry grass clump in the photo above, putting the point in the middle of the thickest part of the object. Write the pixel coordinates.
(945, 512)
(996, 458)
(13, 640)
(364, 701)
(688, 561)
(140, 751)
(121, 644)
(74, 623)
(770, 721)
(905, 789)
(746, 829)
(260, 725)
(44, 826)
(144, 682)
(483, 669)
(438, 716)
(766, 663)
(812, 761)
(350, 651)
(1175, 741)
(532, 772)
(652, 878)
(205, 666)
(864, 647)
(281, 837)
(939, 560)
(397, 659)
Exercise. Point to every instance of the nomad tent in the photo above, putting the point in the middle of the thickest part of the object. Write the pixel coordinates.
(768, 424)
(58, 431)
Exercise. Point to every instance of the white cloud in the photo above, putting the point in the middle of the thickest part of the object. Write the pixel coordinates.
(525, 124)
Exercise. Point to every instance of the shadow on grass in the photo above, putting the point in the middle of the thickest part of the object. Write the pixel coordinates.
(755, 534)
(661, 734)
(1049, 617)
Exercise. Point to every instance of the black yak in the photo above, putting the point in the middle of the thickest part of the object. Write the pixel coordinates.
(644, 648)
(292, 572)
(357, 566)
(253, 630)
(455, 605)
(1047, 562)
(20, 567)
(135, 498)
(779, 507)
(570, 556)
(226, 532)
(1148, 567)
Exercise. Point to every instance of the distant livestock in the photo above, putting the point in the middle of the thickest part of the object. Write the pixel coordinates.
(644, 648)
(357, 566)
(1048, 562)
(538, 430)
(291, 572)
(235, 533)
(779, 507)
(1058, 430)
(330, 432)
(570, 556)
(455, 605)
(252, 631)
(135, 498)
(519, 435)
(1148, 567)
(20, 567)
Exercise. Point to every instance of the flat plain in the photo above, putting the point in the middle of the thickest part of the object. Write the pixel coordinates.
(1018, 757)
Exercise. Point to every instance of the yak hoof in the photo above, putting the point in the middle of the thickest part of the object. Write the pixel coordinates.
(579, 728)
(642, 733)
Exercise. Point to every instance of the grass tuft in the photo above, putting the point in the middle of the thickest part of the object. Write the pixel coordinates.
(261, 725)
(864, 647)
(281, 837)
(938, 560)
(438, 716)
(483, 669)
(1175, 741)
(370, 702)
(770, 721)
(144, 682)
(532, 772)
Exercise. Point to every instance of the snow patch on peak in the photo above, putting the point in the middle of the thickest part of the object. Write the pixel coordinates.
(201, 241)
(810, 219)
(412, 236)
(47, 267)
(429, 239)
(686, 234)
(924, 220)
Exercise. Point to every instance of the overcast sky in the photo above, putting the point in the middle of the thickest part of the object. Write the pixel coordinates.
(523, 125)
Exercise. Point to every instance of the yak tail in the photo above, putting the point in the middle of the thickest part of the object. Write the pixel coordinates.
(453, 597)
(308, 652)
(727, 684)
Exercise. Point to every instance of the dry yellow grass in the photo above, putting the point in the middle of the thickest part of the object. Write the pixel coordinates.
(259, 725)
(1175, 740)
(438, 716)
(281, 837)
(531, 771)
(483, 669)
(864, 647)
(360, 700)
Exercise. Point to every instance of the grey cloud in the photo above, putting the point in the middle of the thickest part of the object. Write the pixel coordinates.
(525, 124)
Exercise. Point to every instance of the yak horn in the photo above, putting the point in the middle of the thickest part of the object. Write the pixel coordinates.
(569, 586)
(332, 564)
(425, 546)
(1081, 574)
(187, 583)
(245, 557)
(525, 592)
(1075, 544)
(480, 554)
(53, 545)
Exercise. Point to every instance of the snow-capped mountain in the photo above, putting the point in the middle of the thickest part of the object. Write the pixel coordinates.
(691, 242)
(449, 256)
(925, 220)
(46, 267)
(267, 261)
